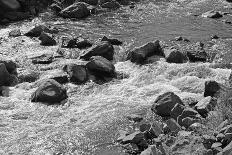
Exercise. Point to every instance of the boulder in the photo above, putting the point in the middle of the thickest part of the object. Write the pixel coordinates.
(50, 92)
(112, 41)
(111, 5)
(211, 88)
(47, 39)
(77, 10)
(165, 103)
(140, 54)
(77, 73)
(177, 111)
(174, 56)
(101, 67)
(212, 14)
(104, 49)
(205, 105)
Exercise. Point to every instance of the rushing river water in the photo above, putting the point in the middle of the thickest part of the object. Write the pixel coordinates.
(94, 115)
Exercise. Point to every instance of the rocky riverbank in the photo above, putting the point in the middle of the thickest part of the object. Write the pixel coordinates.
(71, 94)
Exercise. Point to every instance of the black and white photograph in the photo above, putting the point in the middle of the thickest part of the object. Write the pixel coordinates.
(115, 77)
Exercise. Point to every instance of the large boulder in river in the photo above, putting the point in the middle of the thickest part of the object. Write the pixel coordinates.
(165, 103)
(104, 49)
(101, 67)
(77, 10)
(140, 54)
(77, 73)
(50, 92)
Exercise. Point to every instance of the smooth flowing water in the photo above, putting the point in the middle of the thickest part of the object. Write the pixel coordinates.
(94, 115)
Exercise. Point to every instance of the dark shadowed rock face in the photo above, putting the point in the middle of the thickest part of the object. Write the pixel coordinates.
(37, 31)
(4, 75)
(77, 10)
(165, 103)
(140, 54)
(211, 88)
(50, 92)
(104, 49)
(10, 66)
(77, 73)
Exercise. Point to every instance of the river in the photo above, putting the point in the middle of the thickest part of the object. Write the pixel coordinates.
(93, 117)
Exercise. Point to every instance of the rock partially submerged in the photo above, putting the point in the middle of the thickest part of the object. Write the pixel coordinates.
(101, 67)
(77, 10)
(77, 73)
(50, 92)
(104, 49)
(140, 54)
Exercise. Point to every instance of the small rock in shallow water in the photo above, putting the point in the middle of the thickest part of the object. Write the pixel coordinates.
(50, 92)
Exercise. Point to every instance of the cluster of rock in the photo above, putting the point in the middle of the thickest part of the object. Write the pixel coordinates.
(152, 52)
(179, 119)
(80, 9)
(97, 65)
